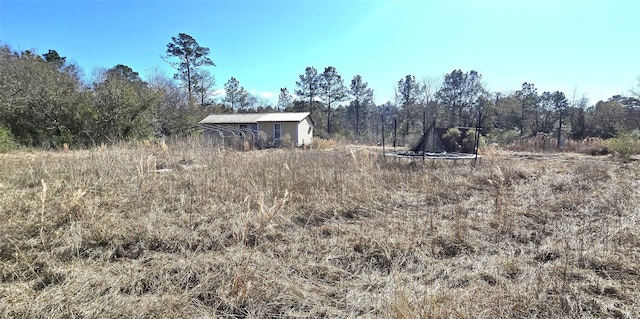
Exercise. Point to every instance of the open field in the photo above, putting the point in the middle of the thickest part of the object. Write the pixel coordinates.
(321, 233)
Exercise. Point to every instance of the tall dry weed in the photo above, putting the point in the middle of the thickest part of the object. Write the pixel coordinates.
(128, 231)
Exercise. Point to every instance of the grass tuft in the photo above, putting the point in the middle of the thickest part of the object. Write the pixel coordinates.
(184, 229)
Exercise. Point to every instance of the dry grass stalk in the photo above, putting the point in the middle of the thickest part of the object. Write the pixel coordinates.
(317, 233)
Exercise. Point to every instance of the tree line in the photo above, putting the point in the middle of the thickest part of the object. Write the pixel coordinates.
(460, 100)
(44, 102)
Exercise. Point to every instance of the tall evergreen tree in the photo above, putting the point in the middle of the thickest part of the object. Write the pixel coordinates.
(408, 91)
(460, 92)
(547, 119)
(362, 98)
(54, 58)
(450, 94)
(203, 82)
(407, 96)
(577, 118)
(528, 97)
(560, 104)
(284, 99)
(309, 85)
(235, 94)
(332, 89)
(191, 56)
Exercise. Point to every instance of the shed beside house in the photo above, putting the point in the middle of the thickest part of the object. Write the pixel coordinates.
(274, 126)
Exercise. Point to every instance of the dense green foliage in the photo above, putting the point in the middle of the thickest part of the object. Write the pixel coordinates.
(469, 141)
(624, 145)
(451, 139)
(45, 102)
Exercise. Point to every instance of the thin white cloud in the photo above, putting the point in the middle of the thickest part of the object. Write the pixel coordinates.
(218, 93)
(268, 95)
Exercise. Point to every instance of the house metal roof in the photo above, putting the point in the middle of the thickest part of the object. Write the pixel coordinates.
(244, 118)
(250, 118)
(284, 117)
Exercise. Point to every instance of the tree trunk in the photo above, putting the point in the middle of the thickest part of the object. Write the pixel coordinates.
(329, 119)
(522, 120)
(357, 118)
(310, 99)
(452, 114)
(189, 80)
(559, 132)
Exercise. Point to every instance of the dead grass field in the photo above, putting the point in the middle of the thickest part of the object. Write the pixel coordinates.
(335, 233)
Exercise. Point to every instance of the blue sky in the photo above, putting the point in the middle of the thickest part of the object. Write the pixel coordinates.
(588, 47)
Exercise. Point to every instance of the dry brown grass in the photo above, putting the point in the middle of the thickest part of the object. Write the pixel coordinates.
(322, 144)
(547, 143)
(316, 233)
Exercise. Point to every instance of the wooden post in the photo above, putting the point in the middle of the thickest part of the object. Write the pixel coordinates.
(395, 132)
(424, 133)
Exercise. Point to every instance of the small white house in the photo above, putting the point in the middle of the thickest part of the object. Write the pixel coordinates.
(274, 126)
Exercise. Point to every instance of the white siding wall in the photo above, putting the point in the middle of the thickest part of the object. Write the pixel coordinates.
(267, 128)
(289, 128)
(305, 132)
(301, 133)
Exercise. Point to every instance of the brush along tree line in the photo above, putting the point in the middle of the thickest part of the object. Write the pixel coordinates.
(45, 102)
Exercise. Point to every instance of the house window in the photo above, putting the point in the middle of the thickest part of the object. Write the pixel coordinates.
(276, 131)
(243, 126)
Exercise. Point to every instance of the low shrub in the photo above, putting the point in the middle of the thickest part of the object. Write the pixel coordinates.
(503, 137)
(624, 145)
(469, 142)
(451, 140)
(6, 140)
